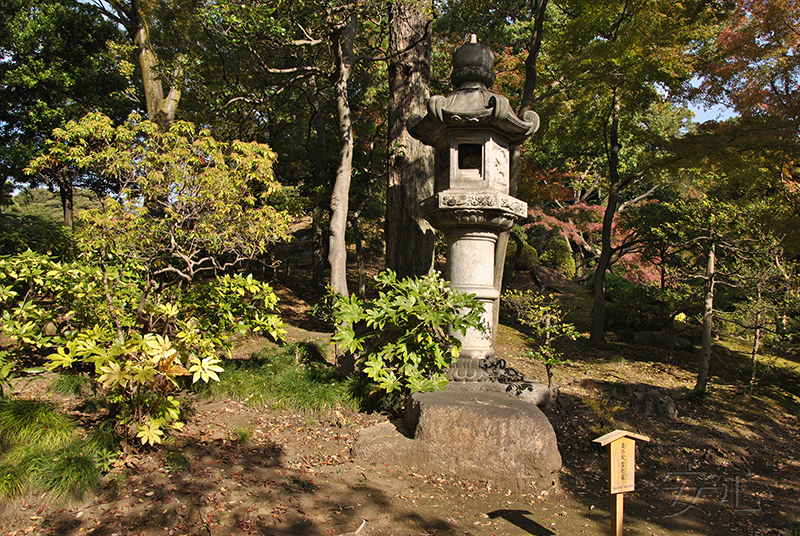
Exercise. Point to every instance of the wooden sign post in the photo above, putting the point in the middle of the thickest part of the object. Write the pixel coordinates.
(621, 470)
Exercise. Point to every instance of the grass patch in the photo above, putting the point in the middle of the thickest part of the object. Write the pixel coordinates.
(71, 384)
(41, 449)
(70, 471)
(32, 422)
(618, 359)
(293, 377)
(616, 390)
(242, 434)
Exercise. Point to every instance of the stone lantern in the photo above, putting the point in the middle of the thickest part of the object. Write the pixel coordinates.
(473, 131)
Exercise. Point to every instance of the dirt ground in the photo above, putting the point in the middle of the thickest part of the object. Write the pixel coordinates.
(728, 465)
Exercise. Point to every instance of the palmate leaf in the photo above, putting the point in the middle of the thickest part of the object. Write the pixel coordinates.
(205, 369)
(114, 375)
(347, 340)
(409, 347)
(374, 367)
(435, 383)
(64, 357)
(158, 348)
(150, 432)
(142, 372)
(349, 310)
(388, 382)
(168, 309)
(376, 316)
(172, 367)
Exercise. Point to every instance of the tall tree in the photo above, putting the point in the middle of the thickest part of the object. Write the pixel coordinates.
(340, 45)
(607, 65)
(515, 27)
(597, 74)
(409, 238)
(753, 67)
(342, 40)
(132, 15)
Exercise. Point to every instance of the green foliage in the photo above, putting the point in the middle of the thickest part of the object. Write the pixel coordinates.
(55, 67)
(403, 338)
(542, 315)
(187, 203)
(131, 312)
(789, 341)
(631, 306)
(35, 221)
(242, 434)
(558, 256)
(176, 460)
(234, 303)
(46, 204)
(69, 471)
(605, 411)
(291, 200)
(527, 259)
(293, 377)
(31, 422)
(539, 236)
(618, 359)
(6, 371)
(71, 384)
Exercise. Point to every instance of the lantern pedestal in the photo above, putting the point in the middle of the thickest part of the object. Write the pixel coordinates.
(472, 221)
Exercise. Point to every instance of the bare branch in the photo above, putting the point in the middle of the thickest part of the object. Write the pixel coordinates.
(642, 197)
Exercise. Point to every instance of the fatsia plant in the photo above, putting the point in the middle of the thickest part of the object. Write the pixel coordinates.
(403, 339)
(70, 311)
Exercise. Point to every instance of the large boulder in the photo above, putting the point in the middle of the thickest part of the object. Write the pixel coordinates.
(480, 436)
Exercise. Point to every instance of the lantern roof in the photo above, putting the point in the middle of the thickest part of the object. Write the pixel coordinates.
(472, 106)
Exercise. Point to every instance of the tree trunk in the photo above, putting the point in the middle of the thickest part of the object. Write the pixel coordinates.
(337, 255)
(756, 346)
(597, 335)
(317, 248)
(512, 266)
(782, 324)
(534, 47)
(160, 109)
(551, 384)
(754, 355)
(671, 345)
(3, 182)
(515, 153)
(409, 238)
(66, 191)
(708, 317)
(320, 159)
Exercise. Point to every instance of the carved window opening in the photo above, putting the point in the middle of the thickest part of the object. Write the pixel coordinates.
(470, 156)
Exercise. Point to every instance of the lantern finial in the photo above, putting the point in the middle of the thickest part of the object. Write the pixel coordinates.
(473, 65)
